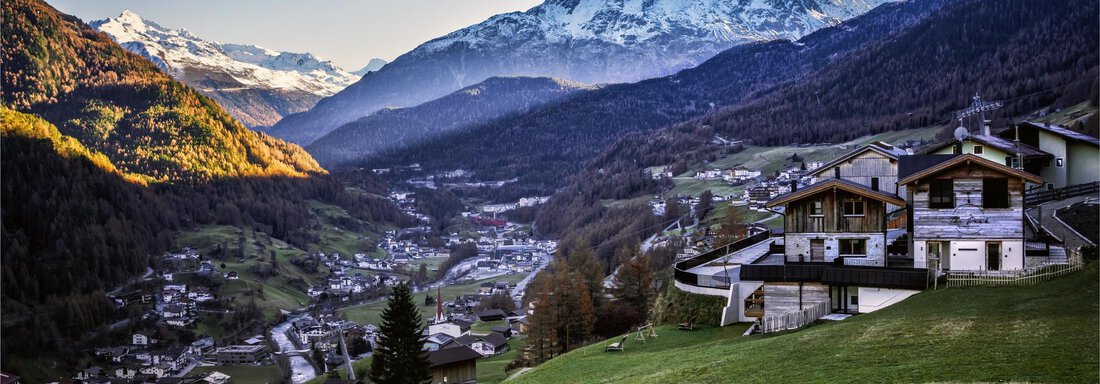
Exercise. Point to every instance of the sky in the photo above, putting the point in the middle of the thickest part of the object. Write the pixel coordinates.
(348, 32)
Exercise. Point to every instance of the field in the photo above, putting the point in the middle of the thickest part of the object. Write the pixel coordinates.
(278, 292)
(772, 159)
(372, 313)
(1042, 333)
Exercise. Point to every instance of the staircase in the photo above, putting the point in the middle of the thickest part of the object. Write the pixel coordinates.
(1058, 256)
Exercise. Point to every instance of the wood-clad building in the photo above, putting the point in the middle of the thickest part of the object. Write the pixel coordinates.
(834, 219)
(967, 212)
(874, 165)
(454, 365)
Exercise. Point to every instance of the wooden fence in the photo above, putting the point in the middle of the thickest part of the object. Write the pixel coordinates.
(1025, 276)
(793, 320)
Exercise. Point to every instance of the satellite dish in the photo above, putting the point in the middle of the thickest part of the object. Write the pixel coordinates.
(961, 133)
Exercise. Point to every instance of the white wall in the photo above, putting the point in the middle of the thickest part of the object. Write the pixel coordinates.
(967, 255)
(873, 299)
(1012, 255)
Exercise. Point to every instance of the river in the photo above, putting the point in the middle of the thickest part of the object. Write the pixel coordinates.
(301, 370)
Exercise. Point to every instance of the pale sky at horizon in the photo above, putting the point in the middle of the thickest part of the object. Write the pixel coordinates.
(348, 32)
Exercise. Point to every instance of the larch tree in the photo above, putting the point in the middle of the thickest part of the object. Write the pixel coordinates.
(400, 357)
(633, 284)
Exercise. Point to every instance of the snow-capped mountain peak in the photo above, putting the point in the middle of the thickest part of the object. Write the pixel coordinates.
(178, 51)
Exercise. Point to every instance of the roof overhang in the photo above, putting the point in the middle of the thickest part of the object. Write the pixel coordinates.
(835, 184)
(969, 159)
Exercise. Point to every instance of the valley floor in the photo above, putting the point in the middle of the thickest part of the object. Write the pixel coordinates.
(1041, 333)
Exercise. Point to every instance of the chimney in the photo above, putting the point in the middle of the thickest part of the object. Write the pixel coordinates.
(794, 185)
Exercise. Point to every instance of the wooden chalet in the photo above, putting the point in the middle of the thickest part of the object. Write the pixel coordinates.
(967, 212)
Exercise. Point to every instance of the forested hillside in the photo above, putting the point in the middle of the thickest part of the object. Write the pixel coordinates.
(477, 104)
(104, 159)
(1044, 52)
(1030, 54)
(123, 106)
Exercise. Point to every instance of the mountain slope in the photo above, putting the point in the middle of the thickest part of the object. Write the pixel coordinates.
(121, 105)
(590, 41)
(392, 128)
(257, 86)
(976, 334)
(859, 55)
(372, 66)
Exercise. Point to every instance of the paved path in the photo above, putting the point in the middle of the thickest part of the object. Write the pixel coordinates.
(1058, 228)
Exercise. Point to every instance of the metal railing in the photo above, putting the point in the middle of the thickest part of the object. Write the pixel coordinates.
(681, 273)
(1061, 193)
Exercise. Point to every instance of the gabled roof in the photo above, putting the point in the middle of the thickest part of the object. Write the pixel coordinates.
(969, 159)
(1065, 132)
(1004, 145)
(452, 355)
(496, 339)
(878, 146)
(840, 184)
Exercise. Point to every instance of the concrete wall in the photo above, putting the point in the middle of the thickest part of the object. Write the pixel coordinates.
(1083, 164)
(735, 307)
(873, 299)
(797, 245)
(784, 297)
(1054, 145)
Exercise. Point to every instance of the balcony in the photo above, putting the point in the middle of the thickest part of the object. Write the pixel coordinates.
(838, 274)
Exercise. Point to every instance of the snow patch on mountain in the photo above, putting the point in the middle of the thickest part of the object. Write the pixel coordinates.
(177, 51)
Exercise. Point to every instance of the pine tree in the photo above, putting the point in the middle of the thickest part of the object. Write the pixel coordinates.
(399, 357)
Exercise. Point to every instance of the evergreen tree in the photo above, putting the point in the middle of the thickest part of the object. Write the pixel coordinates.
(703, 208)
(400, 357)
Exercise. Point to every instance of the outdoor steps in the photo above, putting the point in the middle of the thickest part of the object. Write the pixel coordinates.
(1058, 255)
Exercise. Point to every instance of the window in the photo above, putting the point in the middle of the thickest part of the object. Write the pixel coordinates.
(836, 172)
(941, 193)
(854, 300)
(874, 183)
(1059, 162)
(853, 246)
(816, 209)
(853, 207)
(978, 149)
(995, 193)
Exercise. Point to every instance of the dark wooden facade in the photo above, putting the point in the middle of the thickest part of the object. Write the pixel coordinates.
(457, 372)
(800, 218)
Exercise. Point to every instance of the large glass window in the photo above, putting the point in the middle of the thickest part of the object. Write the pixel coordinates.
(853, 246)
(853, 207)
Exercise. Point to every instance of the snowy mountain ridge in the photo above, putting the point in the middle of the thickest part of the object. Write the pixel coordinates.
(177, 50)
(588, 41)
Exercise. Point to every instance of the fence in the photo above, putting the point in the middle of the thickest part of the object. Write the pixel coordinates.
(793, 320)
(1025, 276)
(1061, 193)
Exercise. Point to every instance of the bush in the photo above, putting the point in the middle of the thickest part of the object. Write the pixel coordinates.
(616, 318)
(675, 306)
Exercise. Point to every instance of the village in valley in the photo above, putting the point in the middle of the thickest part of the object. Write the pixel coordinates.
(181, 309)
(895, 230)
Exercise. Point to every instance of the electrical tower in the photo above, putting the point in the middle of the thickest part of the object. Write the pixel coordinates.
(978, 107)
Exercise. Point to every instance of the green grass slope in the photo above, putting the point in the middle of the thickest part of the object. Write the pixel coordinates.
(1042, 333)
